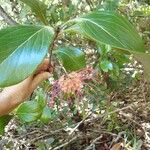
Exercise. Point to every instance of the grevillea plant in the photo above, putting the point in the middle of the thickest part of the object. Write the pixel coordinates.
(70, 85)
(24, 47)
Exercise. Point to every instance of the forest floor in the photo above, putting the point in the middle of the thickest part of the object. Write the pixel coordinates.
(127, 127)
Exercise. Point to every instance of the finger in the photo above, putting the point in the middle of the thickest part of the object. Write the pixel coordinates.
(38, 79)
(43, 66)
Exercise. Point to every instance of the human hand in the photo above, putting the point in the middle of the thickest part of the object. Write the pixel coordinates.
(14, 95)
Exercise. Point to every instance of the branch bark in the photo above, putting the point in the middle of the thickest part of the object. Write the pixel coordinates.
(6, 17)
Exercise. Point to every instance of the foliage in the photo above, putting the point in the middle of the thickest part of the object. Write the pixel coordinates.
(109, 28)
(39, 8)
(28, 48)
(74, 56)
(3, 122)
(63, 32)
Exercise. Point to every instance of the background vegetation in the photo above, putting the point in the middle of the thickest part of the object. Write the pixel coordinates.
(103, 102)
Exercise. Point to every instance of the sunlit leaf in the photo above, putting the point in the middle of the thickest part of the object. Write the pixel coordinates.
(106, 65)
(22, 49)
(108, 28)
(29, 111)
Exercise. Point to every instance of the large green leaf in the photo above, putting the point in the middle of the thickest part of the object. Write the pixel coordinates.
(72, 58)
(22, 49)
(108, 28)
(29, 111)
(39, 8)
(4, 120)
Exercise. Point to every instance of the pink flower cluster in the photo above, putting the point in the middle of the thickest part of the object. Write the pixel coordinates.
(71, 83)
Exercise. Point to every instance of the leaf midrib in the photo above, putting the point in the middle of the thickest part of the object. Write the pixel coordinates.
(102, 29)
(21, 45)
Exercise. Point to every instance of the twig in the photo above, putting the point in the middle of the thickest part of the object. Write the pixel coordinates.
(89, 2)
(119, 136)
(51, 47)
(102, 132)
(79, 123)
(47, 134)
(132, 120)
(65, 144)
(40, 137)
(27, 134)
(106, 114)
(112, 112)
(93, 143)
(6, 17)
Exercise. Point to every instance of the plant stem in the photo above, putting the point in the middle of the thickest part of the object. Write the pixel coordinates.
(52, 45)
(6, 17)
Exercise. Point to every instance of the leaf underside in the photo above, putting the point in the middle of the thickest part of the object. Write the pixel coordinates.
(113, 29)
(108, 28)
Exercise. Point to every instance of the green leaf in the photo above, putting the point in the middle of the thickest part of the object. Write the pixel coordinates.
(39, 8)
(121, 58)
(104, 49)
(29, 111)
(41, 99)
(106, 65)
(72, 58)
(22, 49)
(4, 120)
(46, 115)
(108, 28)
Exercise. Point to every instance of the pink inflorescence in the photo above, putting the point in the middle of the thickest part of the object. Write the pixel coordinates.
(71, 83)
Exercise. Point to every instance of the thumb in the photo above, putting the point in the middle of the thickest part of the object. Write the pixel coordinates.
(38, 79)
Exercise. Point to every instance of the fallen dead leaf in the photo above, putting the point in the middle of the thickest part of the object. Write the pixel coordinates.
(117, 146)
